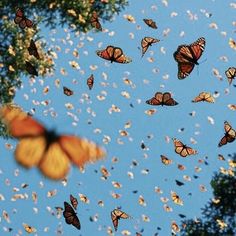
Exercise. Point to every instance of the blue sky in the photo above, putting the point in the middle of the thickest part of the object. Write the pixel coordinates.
(165, 122)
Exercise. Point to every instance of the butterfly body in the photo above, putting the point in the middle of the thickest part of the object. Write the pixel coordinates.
(187, 57)
(162, 99)
(113, 54)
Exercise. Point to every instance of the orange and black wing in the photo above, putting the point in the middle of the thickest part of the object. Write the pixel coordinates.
(182, 149)
(32, 49)
(95, 22)
(21, 20)
(30, 69)
(146, 42)
(150, 23)
(74, 201)
(90, 81)
(230, 74)
(67, 91)
(116, 215)
(167, 100)
(113, 54)
(230, 135)
(156, 100)
(187, 57)
(70, 216)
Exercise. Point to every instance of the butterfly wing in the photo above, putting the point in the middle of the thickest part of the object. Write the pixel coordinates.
(19, 16)
(187, 56)
(229, 130)
(80, 151)
(146, 42)
(182, 149)
(230, 74)
(156, 100)
(67, 91)
(32, 49)
(74, 201)
(197, 48)
(113, 54)
(90, 82)
(167, 100)
(114, 219)
(95, 22)
(19, 123)
(70, 216)
(54, 163)
(150, 23)
(30, 68)
(119, 57)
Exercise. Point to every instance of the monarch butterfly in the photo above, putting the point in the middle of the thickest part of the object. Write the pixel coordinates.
(30, 68)
(67, 91)
(95, 22)
(29, 229)
(45, 149)
(116, 215)
(146, 42)
(90, 81)
(162, 99)
(230, 135)
(150, 23)
(165, 160)
(70, 216)
(22, 20)
(113, 54)
(176, 199)
(175, 227)
(204, 97)
(74, 201)
(182, 149)
(32, 49)
(230, 74)
(187, 57)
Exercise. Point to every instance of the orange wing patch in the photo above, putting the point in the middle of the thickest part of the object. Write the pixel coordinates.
(45, 149)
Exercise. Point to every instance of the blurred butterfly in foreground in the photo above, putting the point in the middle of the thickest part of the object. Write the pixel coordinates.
(95, 22)
(67, 91)
(146, 42)
(21, 20)
(230, 134)
(182, 149)
(30, 69)
(116, 215)
(204, 97)
(70, 216)
(113, 54)
(32, 49)
(150, 23)
(90, 81)
(50, 152)
(163, 99)
(230, 74)
(187, 57)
